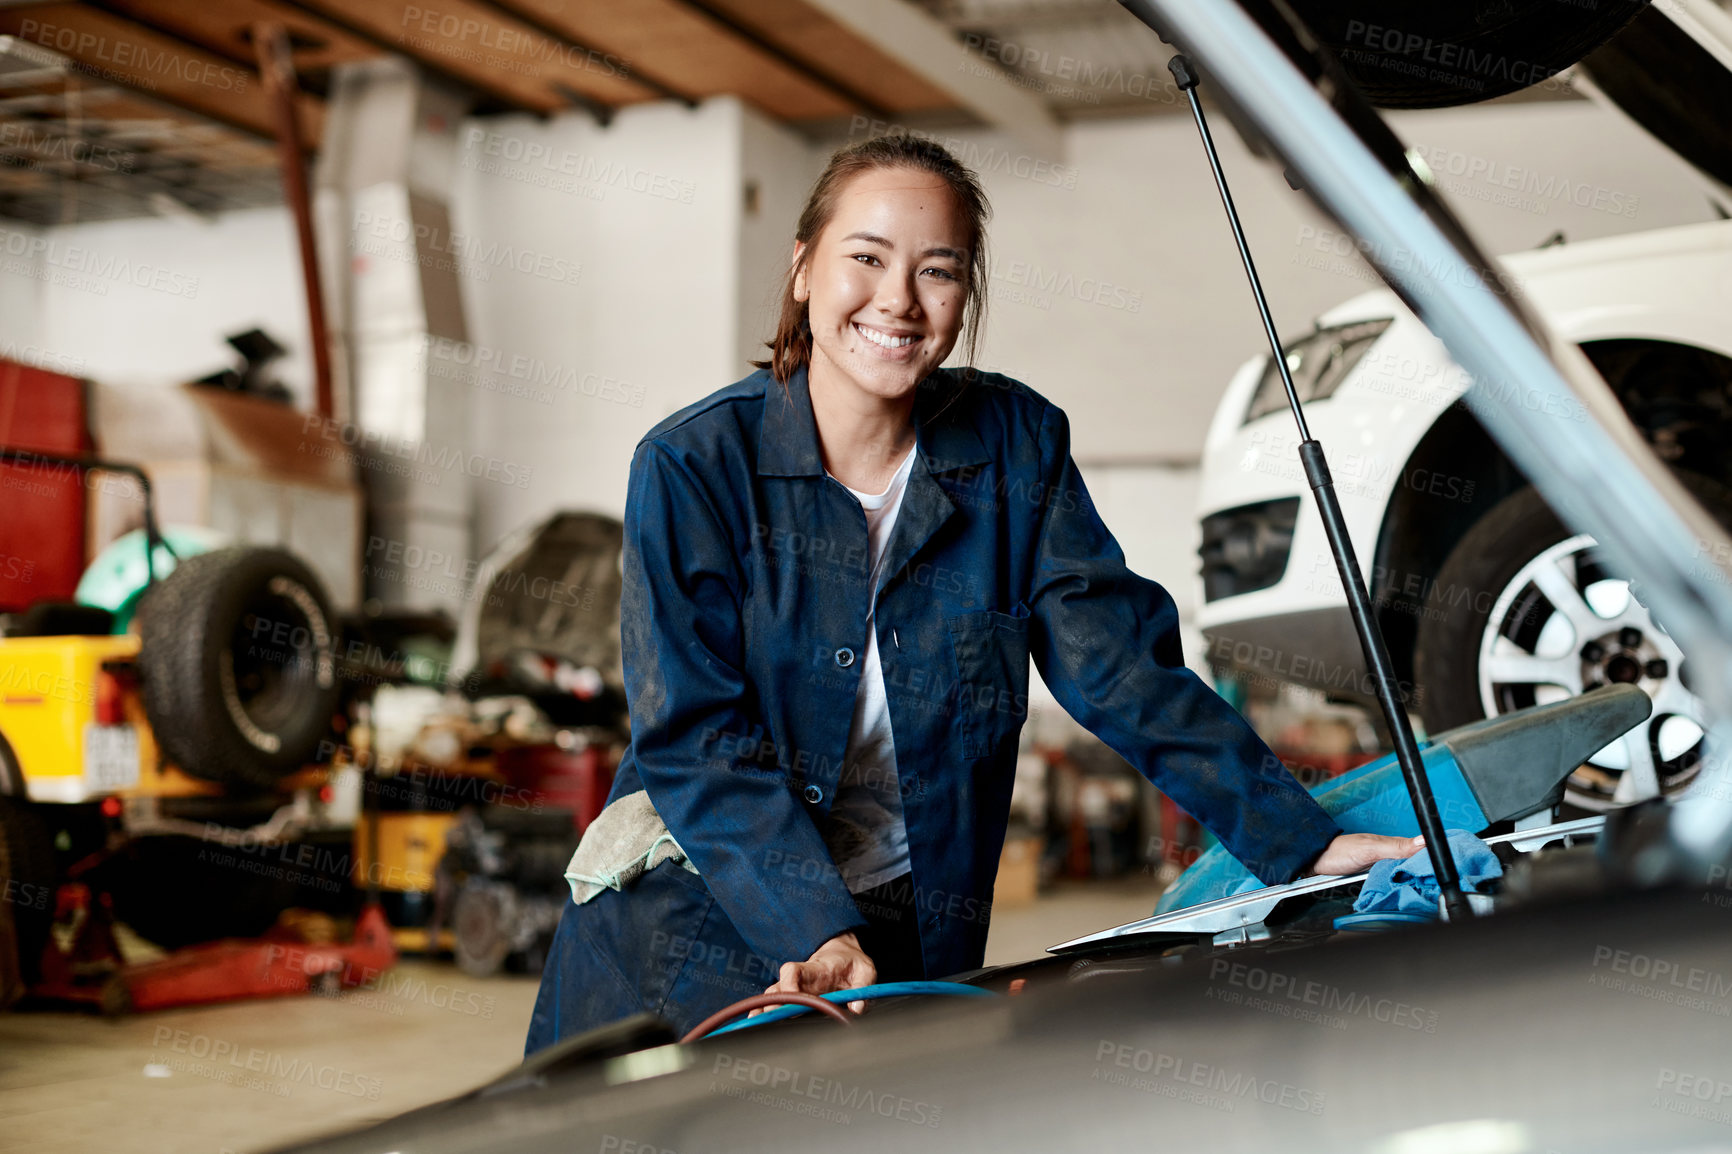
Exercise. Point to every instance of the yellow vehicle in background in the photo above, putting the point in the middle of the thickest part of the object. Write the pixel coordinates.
(193, 743)
(206, 716)
(63, 713)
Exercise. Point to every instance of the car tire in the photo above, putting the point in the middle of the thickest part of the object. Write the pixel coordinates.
(1488, 643)
(27, 875)
(237, 661)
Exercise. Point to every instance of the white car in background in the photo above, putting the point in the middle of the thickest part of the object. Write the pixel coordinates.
(1488, 603)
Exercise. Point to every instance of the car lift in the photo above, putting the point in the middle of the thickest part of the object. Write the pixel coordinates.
(82, 962)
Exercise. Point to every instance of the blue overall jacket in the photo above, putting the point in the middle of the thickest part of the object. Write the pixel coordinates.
(744, 616)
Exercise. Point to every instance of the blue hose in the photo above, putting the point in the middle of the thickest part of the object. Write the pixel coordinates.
(863, 994)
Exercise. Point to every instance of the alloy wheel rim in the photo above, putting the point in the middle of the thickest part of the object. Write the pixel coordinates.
(1566, 623)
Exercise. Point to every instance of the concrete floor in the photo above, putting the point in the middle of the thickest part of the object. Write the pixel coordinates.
(254, 1075)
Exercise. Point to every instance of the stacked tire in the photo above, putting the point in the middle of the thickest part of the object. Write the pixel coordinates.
(237, 661)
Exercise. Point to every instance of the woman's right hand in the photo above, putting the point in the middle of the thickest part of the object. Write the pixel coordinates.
(838, 964)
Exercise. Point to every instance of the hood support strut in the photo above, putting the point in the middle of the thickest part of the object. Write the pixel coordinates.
(1341, 546)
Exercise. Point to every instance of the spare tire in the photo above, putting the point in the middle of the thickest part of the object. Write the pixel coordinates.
(237, 660)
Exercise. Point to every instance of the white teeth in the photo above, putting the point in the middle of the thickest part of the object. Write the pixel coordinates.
(883, 339)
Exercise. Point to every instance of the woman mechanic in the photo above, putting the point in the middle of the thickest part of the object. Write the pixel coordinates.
(836, 572)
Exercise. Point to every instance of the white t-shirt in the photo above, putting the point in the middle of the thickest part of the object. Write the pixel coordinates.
(866, 834)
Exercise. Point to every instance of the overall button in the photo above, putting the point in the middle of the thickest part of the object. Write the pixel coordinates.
(844, 657)
(813, 794)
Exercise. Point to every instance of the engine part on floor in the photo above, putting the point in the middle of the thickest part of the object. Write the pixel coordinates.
(238, 665)
(403, 834)
(491, 921)
(82, 963)
(872, 993)
(501, 885)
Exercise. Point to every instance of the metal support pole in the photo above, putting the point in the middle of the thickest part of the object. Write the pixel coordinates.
(277, 69)
(1341, 545)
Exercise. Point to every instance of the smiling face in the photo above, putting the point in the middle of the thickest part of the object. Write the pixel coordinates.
(886, 283)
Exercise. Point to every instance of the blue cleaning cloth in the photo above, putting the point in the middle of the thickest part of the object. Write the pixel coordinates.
(1410, 887)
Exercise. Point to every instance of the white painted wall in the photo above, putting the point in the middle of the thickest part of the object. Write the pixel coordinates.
(21, 335)
(149, 301)
(652, 321)
(778, 168)
(1141, 384)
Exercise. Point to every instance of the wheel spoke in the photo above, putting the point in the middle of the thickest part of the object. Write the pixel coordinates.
(1674, 698)
(1641, 780)
(1568, 600)
(1662, 641)
(1518, 668)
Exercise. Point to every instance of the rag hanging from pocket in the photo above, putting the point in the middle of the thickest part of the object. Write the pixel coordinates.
(626, 840)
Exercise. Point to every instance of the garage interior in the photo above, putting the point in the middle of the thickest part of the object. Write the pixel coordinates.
(387, 293)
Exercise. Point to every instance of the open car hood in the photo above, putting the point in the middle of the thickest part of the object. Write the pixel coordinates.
(1666, 65)
(1670, 70)
(1294, 99)
(1396, 1042)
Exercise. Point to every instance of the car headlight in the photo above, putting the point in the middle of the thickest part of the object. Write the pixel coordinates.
(1319, 363)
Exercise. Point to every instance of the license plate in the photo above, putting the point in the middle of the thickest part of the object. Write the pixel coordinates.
(110, 757)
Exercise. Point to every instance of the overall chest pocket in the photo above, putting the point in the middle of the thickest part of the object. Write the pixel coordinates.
(991, 651)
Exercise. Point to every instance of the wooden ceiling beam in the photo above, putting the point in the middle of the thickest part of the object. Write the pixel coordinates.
(491, 51)
(930, 49)
(111, 48)
(788, 54)
(528, 17)
(225, 27)
(688, 50)
(880, 81)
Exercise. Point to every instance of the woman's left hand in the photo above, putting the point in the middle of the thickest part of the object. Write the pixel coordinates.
(1352, 853)
(838, 964)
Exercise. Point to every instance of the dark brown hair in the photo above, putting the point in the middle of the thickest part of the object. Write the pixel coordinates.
(791, 347)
